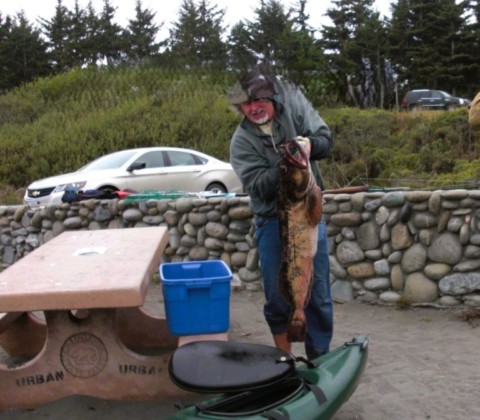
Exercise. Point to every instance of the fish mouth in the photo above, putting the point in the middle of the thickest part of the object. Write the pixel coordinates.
(295, 154)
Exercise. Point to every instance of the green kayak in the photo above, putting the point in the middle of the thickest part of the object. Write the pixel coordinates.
(296, 389)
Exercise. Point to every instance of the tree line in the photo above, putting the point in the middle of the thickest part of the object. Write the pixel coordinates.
(358, 59)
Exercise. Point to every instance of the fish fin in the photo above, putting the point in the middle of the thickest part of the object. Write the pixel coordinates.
(297, 326)
(315, 206)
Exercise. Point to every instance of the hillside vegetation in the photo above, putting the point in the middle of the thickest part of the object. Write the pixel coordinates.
(58, 124)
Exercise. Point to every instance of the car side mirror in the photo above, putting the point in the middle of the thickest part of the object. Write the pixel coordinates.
(136, 165)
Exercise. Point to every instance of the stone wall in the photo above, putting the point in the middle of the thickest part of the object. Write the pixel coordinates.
(417, 247)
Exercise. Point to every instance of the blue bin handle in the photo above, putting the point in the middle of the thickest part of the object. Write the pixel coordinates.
(191, 266)
(198, 284)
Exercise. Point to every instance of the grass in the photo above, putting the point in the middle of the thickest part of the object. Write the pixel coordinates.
(470, 315)
(403, 303)
(11, 196)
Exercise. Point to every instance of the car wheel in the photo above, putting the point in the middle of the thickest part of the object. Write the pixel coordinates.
(108, 189)
(415, 108)
(108, 192)
(216, 188)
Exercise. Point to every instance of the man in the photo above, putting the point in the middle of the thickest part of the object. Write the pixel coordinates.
(275, 111)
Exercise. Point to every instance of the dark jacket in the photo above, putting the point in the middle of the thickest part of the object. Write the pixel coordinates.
(255, 159)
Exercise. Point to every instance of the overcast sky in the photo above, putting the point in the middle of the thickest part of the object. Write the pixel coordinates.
(167, 10)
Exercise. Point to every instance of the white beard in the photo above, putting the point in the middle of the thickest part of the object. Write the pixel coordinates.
(263, 120)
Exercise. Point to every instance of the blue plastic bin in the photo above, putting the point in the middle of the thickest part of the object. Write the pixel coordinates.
(196, 295)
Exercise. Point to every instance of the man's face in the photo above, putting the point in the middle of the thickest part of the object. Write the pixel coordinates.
(258, 111)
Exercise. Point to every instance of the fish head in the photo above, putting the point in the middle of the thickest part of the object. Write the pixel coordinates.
(294, 153)
(294, 169)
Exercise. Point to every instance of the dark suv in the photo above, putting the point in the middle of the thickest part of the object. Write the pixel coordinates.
(432, 99)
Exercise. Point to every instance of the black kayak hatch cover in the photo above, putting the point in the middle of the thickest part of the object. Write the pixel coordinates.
(228, 366)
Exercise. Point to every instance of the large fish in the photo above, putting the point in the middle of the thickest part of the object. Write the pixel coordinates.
(300, 210)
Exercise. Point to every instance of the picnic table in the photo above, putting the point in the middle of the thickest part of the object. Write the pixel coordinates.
(72, 322)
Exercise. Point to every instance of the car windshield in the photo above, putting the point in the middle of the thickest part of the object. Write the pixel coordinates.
(112, 161)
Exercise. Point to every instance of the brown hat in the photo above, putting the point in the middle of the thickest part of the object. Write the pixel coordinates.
(253, 86)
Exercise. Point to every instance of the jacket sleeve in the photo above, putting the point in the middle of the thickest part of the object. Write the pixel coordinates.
(257, 170)
(308, 122)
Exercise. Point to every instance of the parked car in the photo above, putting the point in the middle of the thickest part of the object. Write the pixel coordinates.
(431, 99)
(142, 169)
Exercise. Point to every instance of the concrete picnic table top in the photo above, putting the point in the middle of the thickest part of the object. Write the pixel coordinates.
(107, 268)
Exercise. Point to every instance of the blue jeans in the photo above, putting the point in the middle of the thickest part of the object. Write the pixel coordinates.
(319, 311)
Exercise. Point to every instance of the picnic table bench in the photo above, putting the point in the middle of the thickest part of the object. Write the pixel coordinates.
(72, 322)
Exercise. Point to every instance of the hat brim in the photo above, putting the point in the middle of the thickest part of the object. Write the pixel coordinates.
(237, 95)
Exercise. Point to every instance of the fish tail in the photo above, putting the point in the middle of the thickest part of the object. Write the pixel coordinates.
(297, 327)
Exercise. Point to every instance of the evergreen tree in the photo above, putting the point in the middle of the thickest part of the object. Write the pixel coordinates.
(93, 36)
(141, 33)
(5, 45)
(23, 55)
(196, 38)
(399, 42)
(240, 53)
(355, 49)
(377, 86)
(305, 55)
(78, 36)
(270, 33)
(111, 39)
(471, 43)
(457, 60)
(58, 31)
(284, 41)
(430, 45)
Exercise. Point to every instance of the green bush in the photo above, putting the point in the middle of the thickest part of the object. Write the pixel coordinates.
(58, 124)
(398, 148)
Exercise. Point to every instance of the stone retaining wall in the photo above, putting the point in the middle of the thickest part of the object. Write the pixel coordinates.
(417, 247)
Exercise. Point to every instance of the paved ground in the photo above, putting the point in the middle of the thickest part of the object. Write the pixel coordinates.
(423, 364)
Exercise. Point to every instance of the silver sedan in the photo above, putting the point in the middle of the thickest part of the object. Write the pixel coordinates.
(142, 169)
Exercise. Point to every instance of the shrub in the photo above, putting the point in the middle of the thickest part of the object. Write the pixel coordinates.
(58, 124)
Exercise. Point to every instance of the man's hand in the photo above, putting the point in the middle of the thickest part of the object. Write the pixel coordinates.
(305, 143)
